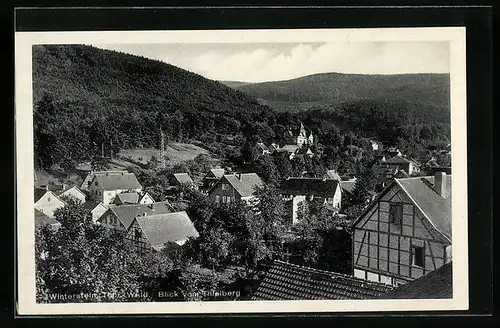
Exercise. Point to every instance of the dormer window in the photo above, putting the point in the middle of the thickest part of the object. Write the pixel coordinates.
(395, 213)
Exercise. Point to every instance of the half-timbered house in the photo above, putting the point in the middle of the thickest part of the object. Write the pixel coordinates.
(155, 232)
(405, 232)
(105, 187)
(233, 187)
(120, 217)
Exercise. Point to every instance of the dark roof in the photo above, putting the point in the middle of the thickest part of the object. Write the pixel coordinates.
(246, 184)
(128, 197)
(41, 219)
(120, 180)
(437, 209)
(437, 284)
(90, 205)
(309, 186)
(401, 174)
(182, 178)
(285, 281)
(384, 169)
(168, 227)
(127, 213)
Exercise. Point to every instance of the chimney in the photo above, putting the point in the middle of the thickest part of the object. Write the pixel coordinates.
(440, 183)
(239, 176)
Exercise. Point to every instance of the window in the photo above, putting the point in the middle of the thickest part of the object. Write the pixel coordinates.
(217, 198)
(395, 213)
(48, 198)
(417, 256)
(225, 186)
(137, 234)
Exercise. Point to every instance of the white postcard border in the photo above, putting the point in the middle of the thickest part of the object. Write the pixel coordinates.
(26, 301)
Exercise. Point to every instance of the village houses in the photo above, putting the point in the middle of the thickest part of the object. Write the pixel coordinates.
(233, 187)
(47, 201)
(157, 231)
(106, 186)
(405, 232)
(120, 217)
(326, 192)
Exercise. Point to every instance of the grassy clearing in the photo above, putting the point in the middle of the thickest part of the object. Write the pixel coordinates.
(175, 152)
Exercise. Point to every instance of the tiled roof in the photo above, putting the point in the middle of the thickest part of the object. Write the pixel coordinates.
(169, 227)
(285, 281)
(128, 198)
(309, 186)
(246, 184)
(182, 178)
(437, 284)
(127, 213)
(436, 208)
(41, 220)
(120, 180)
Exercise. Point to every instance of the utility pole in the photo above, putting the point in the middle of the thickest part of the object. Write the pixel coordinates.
(162, 149)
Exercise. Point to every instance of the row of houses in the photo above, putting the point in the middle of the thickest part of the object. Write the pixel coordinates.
(115, 200)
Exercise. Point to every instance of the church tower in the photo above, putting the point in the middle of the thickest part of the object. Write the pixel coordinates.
(302, 137)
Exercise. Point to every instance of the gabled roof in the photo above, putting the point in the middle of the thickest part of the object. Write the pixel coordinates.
(437, 284)
(91, 205)
(332, 174)
(217, 173)
(114, 181)
(72, 188)
(41, 220)
(309, 186)
(436, 208)
(168, 227)
(182, 178)
(245, 183)
(285, 281)
(127, 213)
(128, 198)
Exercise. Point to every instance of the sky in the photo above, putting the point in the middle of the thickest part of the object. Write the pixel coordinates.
(261, 62)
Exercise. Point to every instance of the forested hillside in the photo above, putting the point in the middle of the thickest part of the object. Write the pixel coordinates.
(88, 100)
(335, 88)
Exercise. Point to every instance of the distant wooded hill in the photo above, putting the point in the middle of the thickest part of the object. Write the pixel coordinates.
(333, 89)
(87, 100)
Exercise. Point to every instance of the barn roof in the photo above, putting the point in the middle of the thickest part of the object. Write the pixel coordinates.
(437, 284)
(168, 227)
(127, 213)
(285, 281)
(289, 148)
(309, 186)
(119, 180)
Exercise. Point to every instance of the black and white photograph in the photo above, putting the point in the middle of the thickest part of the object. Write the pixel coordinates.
(239, 171)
